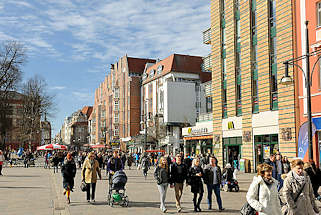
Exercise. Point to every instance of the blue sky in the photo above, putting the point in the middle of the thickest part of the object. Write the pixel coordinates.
(71, 43)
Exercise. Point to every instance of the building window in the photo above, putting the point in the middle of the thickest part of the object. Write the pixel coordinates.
(116, 131)
(208, 104)
(116, 93)
(319, 13)
(116, 118)
(254, 68)
(237, 49)
(273, 56)
(319, 74)
(223, 61)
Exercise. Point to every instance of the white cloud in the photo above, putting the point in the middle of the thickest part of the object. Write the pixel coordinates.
(82, 96)
(105, 30)
(57, 88)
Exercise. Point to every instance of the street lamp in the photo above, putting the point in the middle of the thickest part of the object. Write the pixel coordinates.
(287, 80)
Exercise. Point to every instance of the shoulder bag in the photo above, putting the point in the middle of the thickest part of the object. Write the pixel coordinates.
(247, 209)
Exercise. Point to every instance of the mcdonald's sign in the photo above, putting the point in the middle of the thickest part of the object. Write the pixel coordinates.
(230, 125)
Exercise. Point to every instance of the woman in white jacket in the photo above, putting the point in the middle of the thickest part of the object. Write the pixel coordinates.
(263, 192)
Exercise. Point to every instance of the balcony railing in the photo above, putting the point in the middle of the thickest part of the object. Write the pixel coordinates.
(207, 36)
(207, 64)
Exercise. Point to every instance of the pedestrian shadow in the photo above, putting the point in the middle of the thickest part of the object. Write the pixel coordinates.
(133, 204)
(9, 187)
(23, 176)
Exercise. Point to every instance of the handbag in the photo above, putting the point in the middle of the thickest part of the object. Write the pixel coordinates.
(83, 186)
(285, 207)
(247, 209)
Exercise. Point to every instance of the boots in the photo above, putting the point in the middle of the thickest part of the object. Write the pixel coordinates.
(195, 205)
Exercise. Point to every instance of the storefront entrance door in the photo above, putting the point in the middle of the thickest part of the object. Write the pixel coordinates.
(265, 145)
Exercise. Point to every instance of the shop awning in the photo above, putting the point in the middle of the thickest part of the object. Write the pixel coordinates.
(199, 137)
(317, 122)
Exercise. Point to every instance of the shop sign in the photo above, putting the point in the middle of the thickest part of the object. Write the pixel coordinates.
(230, 125)
(194, 131)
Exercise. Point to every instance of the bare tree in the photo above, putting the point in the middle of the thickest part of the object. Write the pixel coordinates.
(36, 104)
(12, 57)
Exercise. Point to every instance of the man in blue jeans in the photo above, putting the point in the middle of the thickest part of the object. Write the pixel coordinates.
(212, 178)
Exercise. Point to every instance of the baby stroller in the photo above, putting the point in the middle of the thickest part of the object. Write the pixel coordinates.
(117, 191)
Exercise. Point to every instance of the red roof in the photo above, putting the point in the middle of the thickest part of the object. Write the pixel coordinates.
(137, 65)
(87, 110)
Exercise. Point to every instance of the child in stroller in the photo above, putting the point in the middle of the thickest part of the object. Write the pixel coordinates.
(229, 182)
(117, 191)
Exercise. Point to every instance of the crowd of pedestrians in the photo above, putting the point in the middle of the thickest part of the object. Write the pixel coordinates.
(284, 188)
(280, 187)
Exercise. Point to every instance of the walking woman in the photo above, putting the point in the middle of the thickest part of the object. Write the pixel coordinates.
(195, 180)
(286, 164)
(297, 191)
(161, 175)
(263, 192)
(68, 170)
(90, 169)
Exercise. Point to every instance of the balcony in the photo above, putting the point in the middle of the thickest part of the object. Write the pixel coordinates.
(207, 36)
(207, 64)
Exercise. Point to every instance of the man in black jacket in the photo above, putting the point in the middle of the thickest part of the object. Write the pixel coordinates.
(114, 164)
(213, 178)
(178, 176)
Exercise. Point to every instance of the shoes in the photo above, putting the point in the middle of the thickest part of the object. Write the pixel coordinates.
(93, 200)
(221, 209)
(164, 210)
(198, 209)
(209, 207)
(88, 200)
(179, 209)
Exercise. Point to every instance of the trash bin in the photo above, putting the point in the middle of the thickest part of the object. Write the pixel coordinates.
(242, 165)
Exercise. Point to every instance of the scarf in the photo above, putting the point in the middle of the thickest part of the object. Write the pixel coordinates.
(299, 178)
(268, 181)
(91, 164)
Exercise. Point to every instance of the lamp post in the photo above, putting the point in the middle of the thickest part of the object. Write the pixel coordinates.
(287, 80)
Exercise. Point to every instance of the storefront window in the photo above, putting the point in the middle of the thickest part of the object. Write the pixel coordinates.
(265, 145)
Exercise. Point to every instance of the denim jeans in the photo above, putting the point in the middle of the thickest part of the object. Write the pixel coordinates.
(216, 188)
(280, 180)
(162, 188)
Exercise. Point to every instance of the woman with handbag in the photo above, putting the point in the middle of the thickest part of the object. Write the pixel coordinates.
(90, 169)
(195, 175)
(162, 177)
(263, 195)
(297, 192)
(68, 171)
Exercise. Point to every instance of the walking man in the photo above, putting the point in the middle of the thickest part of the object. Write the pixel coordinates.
(213, 178)
(178, 176)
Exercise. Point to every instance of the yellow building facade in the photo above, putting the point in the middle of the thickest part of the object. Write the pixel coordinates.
(253, 115)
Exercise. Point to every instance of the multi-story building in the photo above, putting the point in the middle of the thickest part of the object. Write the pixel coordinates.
(309, 10)
(250, 40)
(198, 139)
(171, 98)
(11, 135)
(74, 131)
(116, 113)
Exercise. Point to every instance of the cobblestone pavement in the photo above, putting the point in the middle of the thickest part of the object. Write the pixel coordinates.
(39, 191)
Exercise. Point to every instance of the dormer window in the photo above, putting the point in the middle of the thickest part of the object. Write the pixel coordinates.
(152, 73)
(159, 69)
(144, 76)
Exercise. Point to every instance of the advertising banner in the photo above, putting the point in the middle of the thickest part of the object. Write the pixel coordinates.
(303, 142)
